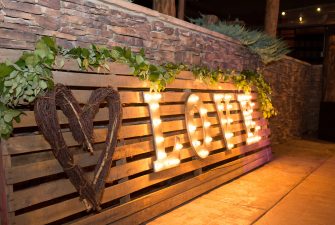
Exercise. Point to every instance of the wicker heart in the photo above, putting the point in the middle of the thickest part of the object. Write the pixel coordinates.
(81, 126)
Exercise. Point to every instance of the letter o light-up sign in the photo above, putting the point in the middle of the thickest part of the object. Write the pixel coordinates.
(222, 102)
(201, 148)
(163, 160)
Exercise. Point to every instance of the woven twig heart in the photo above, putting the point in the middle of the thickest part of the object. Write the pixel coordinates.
(81, 125)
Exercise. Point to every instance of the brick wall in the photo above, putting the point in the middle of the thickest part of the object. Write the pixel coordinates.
(115, 22)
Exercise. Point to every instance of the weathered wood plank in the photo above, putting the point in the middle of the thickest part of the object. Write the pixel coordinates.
(25, 144)
(63, 209)
(114, 214)
(62, 187)
(49, 167)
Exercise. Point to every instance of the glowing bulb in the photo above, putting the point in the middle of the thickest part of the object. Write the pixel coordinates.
(192, 128)
(157, 96)
(318, 9)
(156, 122)
(196, 143)
(229, 135)
(208, 139)
(230, 146)
(218, 97)
(154, 106)
(227, 97)
(283, 13)
(207, 124)
(203, 153)
(220, 107)
(178, 146)
(203, 111)
(161, 155)
(159, 139)
(300, 19)
(194, 98)
(158, 166)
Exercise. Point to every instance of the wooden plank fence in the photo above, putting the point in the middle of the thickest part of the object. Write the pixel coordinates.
(35, 190)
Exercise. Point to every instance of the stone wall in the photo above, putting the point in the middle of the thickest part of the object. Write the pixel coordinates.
(115, 22)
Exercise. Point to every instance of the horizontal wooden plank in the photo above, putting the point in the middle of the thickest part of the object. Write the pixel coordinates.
(49, 167)
(228, 171)
(24, 144)
(130, 112)
(52, 190)
(66, 208)
(168, 204)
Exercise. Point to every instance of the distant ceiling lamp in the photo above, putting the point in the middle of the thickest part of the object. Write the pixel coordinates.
(318, 9)
(300, 19)
(283, 13)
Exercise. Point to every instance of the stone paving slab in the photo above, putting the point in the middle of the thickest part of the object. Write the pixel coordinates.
(299, 182)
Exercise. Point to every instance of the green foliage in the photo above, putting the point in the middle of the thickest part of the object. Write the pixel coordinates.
(268, 48)
(21, 82)
(29, 77)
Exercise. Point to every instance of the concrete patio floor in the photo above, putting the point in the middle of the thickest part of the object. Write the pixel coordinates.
(296, 187)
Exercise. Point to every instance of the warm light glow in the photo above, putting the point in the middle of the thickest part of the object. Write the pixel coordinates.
(156, 122)
(283, 13)
(196, 143)
(230, 146)
(154, 106)
(218, 97)
(178, 146)
(147, 97)
(161, 154)
(157, 96)
(227, 97)
(252, 104)
(192, 128)
(203, 111)
(257, 128)
(203, 153)
(221, 107)
(250, 134)
(194, 98)
(159, 139)
(208, 139)
(229, 135)
(207, 124)
(300, 19)
(318, 9)
(229, 106)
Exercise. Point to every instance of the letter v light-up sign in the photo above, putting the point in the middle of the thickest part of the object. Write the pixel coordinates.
(250, 125)
(222, 102)
(163, 160)
(193, 103)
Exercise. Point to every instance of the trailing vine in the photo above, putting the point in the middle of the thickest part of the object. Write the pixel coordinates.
(30, 76)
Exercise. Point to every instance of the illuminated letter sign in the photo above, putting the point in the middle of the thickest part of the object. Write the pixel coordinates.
(222, 102)
(163, 160)
(250, 126)
(193, 103)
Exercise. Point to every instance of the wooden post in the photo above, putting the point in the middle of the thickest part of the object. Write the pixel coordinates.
(167, 7)
(271, 17)
(181, 9)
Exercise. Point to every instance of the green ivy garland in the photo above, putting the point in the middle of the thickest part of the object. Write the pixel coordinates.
(29, 77)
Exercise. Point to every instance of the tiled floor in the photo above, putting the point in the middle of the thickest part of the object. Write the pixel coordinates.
(297, 187)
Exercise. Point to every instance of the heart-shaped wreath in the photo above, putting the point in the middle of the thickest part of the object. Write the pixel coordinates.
(81, 126)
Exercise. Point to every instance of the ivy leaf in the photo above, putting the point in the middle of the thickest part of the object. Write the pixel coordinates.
(5, 70)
